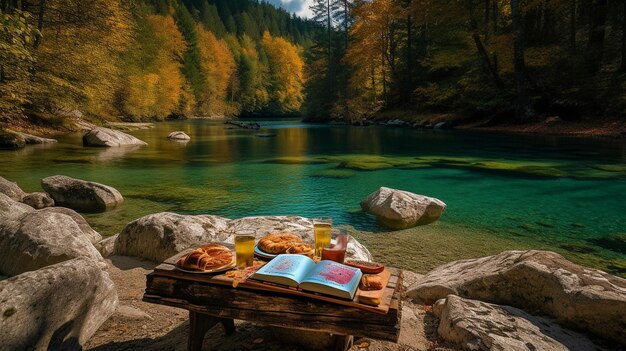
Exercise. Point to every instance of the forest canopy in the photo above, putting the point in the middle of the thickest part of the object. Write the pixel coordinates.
(146, 60)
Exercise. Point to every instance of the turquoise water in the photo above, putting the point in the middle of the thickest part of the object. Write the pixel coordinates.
(545, 191)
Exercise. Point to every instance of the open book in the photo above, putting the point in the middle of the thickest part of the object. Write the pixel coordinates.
(326, 277)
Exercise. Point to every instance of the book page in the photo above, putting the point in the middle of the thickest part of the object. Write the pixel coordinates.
(294, 267)
(335, 275)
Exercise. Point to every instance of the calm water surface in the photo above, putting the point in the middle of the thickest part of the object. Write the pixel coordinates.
(566, 194)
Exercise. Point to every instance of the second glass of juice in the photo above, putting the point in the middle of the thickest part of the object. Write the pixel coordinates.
(244, 247)
(321, 229)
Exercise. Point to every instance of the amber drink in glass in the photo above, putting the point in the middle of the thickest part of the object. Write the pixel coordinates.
(244, 248)
(321, 230)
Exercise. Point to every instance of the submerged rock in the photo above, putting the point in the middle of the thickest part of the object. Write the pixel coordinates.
(539, 281)
(399, 209)
(108, 137)
(476, 325)
(38, 200)
(159, 236)
(11, 189)
(80, 194)
(58, 307)
(179, 135)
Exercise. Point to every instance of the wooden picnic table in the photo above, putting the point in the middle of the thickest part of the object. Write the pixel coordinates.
(212, 299)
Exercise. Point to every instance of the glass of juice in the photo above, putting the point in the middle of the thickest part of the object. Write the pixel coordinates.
(321, 230)
(244, 247)
(336, 250)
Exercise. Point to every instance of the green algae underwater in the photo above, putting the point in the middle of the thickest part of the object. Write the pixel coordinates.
(503, 192)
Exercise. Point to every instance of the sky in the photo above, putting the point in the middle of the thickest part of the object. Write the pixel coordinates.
(299, 7)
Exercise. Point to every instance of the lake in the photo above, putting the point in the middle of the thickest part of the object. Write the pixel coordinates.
(503, 191)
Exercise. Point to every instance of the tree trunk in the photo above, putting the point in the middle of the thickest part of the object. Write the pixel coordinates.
(482, 53)
(572, 29)
(597, 32)
(495, 16)
(487, 10)
(40, 17)
(345, 22)
(329, 28)
(522, 110)
(409, 59)
(623, 65)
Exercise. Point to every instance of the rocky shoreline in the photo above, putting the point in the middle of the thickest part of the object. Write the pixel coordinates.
(516, 300)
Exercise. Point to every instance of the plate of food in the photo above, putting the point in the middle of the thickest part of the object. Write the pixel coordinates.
(210, 258)
(272, 245)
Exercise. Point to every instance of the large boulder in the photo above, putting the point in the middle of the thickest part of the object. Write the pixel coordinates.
(539, 281)
(88, 232)
(81, 195)
(11, 210)
(108, 137)
(38, 200)
(161, 235)
(476, 325)
(11, 189)
(58, 307)
(39, 239)
(179, 135)
(300, 226)
(398, 209)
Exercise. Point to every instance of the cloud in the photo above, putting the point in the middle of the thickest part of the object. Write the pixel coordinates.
(299, 7)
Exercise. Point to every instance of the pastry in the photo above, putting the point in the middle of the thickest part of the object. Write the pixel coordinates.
(301, 248)
(365, 266)
(370, 282)
(278, 243)
(206, 257)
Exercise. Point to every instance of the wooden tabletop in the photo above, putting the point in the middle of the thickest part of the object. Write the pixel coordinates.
(214, 294)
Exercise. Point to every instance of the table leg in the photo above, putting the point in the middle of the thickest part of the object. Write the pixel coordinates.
(342, 342)
(199, 324)
(229, 325)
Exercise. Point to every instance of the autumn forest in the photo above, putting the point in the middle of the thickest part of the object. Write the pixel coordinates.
(148, 60)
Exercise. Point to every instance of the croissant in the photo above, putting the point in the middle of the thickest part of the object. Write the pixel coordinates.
(207, 257)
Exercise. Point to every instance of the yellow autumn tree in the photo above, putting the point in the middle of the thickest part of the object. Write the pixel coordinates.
(286, 72)
(218, 67)
(155, 85)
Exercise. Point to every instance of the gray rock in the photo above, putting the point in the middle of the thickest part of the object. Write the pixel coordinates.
(398, 209)
(178, 135)
(11, 189)
(88, 232)
(300, 226)
(58, 307)
(126, 313)
(476, 325)
(38, 200)
(159, 236)
(38, 239)
(440, 125)
(108, 137)
(11, 210)
(539, 281)
(33, 139)
(11, 141)
(81, 195)
(106, 247)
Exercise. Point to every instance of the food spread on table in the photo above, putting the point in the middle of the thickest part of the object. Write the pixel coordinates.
(206, 258)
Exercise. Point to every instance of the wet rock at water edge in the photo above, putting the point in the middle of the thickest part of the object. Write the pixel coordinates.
(11, 189)
(398, 209)
(179, 136)
(81, 195)
(38, 200)
(11, 141)
(33, 139)
(58, 307)
(106, 137)
(476, 325)
(540, 281)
